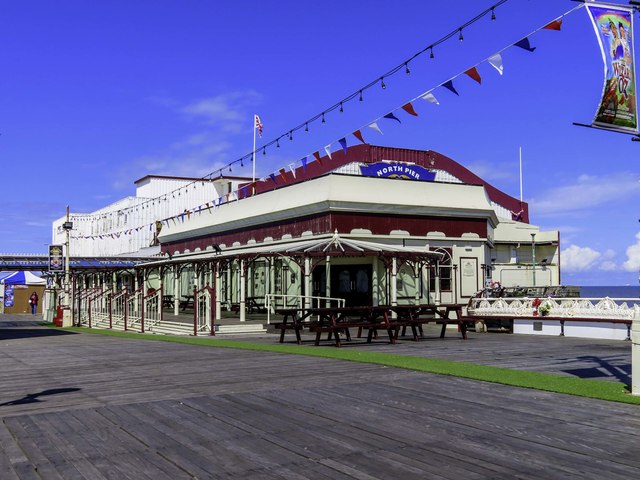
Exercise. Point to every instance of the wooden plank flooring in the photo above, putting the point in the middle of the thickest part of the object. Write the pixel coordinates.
(92, 407)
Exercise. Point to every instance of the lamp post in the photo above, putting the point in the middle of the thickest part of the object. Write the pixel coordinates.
(66, 306)
(533, 257)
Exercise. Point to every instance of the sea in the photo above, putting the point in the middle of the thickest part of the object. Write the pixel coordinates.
(627, 291)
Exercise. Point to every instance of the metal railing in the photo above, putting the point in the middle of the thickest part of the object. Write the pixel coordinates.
(118, 310)
(613, 308)
(204, 310)
(80, 305)
(99, 307)
(151, 314)
(271, 302)
(134, 311)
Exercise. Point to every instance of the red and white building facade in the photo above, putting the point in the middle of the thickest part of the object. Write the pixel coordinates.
(372, 225)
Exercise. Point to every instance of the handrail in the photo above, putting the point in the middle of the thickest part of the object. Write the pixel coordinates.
(197, 326)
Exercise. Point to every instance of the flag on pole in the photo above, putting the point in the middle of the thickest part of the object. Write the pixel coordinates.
(258, 125)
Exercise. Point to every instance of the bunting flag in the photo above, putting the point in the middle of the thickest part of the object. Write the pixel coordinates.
(449, 86)
(408, 107)
(316, 155)
(327, 149)
(188, 214)
(292, 167)
(429, 97)
(304, 164)
(496, 62)
(226, 196)
(182, 216)
(283, 174)
(273, 177)
(391, 116)
(358, 135)
(555, 25)
(375, 127)
(524, 43)
(473, 73)
(244, 191)
(343, 142)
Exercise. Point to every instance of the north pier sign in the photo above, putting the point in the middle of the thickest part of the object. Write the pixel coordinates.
(397, 170)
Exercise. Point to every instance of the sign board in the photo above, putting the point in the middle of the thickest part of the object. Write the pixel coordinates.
(56, 258)
(397, 170)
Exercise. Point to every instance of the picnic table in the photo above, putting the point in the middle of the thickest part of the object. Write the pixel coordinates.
(338, 320)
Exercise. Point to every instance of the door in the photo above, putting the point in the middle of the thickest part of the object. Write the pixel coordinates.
(353, 283)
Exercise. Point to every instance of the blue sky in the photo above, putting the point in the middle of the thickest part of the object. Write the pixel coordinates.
(95, 95)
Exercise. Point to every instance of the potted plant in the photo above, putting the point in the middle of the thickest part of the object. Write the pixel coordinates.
(544, 309)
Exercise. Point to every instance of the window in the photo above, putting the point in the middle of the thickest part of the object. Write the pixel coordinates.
(445, 272)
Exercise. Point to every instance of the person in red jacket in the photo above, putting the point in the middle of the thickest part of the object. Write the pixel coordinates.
(33, 301)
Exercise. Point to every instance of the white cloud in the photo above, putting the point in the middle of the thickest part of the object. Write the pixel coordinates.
(227, 112)
(578, 259)
(609, 266)
(587, 192)
(633, 256)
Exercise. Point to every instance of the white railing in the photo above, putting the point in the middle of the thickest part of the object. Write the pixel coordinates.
(119, 310)
(613, 308)
(99, 309)
(152, 310)
(204, 311)
(271, 302)
(134, 310)
(80, 305)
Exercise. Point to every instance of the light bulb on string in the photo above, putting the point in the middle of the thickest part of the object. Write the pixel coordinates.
(306, 127)
(382, 84)
(461, 38)
(431, 55)
(277, 143)
(290, 135)
(323, 121)
(341, 109)
(360, 95)
(264, 150)
(493, 14)
(406, 68)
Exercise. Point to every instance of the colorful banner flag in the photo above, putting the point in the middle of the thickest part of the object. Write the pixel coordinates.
(408, 107)
(391, 116)
(473, 73)
(343, 142)
(358, 135)
(496, 62)
(613, 25)
(375, 127)
(449, 86)
(327, 149)
(524, 43)
(430, 97)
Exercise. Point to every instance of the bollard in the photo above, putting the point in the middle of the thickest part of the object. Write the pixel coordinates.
(635, 352)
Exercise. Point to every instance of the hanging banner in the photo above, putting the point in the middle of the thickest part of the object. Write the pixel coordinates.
(613, 25)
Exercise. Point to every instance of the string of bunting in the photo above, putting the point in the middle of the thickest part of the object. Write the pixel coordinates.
(320, 116)
(495, 60)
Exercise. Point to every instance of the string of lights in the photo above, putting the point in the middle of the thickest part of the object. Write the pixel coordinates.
(339, 105)
(212, 204)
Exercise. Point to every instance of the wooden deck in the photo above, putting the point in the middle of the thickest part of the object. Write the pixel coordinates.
(94, 407)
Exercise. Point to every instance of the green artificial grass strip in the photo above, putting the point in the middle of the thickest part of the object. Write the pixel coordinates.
(597, 389)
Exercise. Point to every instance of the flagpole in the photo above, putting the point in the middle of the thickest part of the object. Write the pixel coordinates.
(520, 177)
(254, 150)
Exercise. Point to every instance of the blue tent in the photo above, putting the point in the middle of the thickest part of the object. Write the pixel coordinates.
(23, 278)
